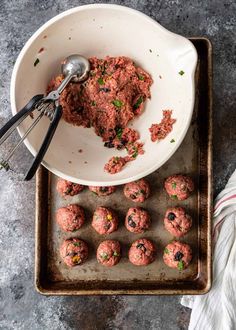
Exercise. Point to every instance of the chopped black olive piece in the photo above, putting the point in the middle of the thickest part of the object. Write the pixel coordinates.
(141, 246)
(131, 222)
(133, 196)
(101, 130)
(68, 191)
(104, 89)
(103, 189)
(120, 146)
(171, 216)
(79, 109)
(178, 256)
(109, 144)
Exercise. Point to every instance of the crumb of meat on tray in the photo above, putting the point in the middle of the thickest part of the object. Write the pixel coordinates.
(161, 130)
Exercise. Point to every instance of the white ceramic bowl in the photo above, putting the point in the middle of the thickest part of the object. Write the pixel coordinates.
(100, 30)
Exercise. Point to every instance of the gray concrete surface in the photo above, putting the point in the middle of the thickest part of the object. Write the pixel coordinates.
(20, 306)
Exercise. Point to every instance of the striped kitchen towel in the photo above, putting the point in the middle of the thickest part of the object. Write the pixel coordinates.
(216, 310)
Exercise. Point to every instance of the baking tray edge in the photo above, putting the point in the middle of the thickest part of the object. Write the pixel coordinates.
(42, 184)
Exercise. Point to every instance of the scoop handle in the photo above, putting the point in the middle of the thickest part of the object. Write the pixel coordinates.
(46, 142)
(9, 127)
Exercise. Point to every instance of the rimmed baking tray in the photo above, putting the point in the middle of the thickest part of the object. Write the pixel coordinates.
(194, 157)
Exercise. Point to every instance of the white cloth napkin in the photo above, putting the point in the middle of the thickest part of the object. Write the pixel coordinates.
(216, 310)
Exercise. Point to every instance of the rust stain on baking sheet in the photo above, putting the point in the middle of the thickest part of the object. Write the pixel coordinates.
(194, 157)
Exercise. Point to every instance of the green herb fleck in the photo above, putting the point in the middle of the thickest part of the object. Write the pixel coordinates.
(139, 101)
(36, 62)
(172, 141)
(104, 256)
(143, 192)
(150, 50)
(166, 251)
(140, 77)
(135, 154)
(116, 158)
(116, 254)
(181, 72)
(94, 193)
(76, 243)
(174, 196)
(93, 103)
(118, 103)
(180, 265)
(100, 81)
(173, 185)
(119, 132)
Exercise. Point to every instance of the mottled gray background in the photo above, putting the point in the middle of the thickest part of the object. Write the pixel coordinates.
(20, 306)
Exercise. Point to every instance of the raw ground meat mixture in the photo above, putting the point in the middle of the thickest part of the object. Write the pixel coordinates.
(115, 164)
(177, 221)
(70, 218)
(66, 188)
(142, 252)
(137, 191)
(161, 130)
(113, 95)
(74, 251)
(177, 255)
(109, 253)
(179, 186)
(137, 220)
(105, 220)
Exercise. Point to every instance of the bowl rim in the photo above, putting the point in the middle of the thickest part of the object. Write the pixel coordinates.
(119, 8)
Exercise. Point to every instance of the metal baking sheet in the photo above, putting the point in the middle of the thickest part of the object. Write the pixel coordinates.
(194, 157)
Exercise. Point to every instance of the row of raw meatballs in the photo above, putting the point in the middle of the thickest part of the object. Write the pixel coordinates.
(177, 186)
(142, 252)
(105, 221)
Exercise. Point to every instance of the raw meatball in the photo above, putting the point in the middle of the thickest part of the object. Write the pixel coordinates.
(102, 191)
(137, 191)
(179, 186)
(74, 251)
(71, 217)
(105, 221)
(67, 188)
(142, 252)
(137, 220)
(109, 253)
(177, 221)
(177, 255)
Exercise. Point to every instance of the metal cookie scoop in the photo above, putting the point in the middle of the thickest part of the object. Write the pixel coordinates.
(75, 68)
